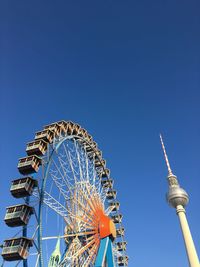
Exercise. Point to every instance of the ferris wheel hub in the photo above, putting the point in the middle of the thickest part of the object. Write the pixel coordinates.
(106, 227)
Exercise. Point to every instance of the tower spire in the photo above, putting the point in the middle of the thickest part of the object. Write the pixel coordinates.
(55, 256)
(166, 157)
(172, 179)
(178, 199)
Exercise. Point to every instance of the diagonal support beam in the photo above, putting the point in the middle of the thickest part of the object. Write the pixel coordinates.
(105, 254)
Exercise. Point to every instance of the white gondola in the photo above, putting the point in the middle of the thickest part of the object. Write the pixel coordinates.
(37, 147)
(121, 246)
(23, 187)
(83, 132)
(114, 205)
(70, 126)
(63, 126)
(54, 127)
(88, 148)
(99, 163)
(29, 164)
(16, 248)
(76, 129)
(45, 135)
(89, 137)
(120, 232)
(107, 183)
(111, 194)
(94, 146)
(106, 173)
(122, 261)
(117, 218)
(18, 215)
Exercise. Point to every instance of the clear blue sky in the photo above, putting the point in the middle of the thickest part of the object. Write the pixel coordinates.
(126, 71)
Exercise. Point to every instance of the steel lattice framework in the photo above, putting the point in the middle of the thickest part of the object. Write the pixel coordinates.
(72, 200)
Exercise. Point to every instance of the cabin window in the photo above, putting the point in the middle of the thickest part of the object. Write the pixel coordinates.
(16, 242)
(18, 208)
(8, 243)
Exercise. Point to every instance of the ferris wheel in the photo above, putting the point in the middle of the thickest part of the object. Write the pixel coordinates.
(68, 215)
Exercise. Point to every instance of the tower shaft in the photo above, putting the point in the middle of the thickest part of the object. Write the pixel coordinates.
(189, 243)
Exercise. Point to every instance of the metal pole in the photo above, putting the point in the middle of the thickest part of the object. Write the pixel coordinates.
(25, 262)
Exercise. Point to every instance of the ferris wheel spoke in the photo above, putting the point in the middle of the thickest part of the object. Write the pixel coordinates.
(92, 253)
(66, 212)
(94, 199)
(63, 175)
(109, 210)
(85, 213)
(84, 248)
(78, 253)
(103, 196)
(77, 250)
(84, 221)
(85, 209)
(68, 257)
(69, 159)
(79, 162)
(64, 164)
(94, 171)
(85, 164)
(86, 196)
(54, 205)
(69, 235)
(61, 185)
(89, 203)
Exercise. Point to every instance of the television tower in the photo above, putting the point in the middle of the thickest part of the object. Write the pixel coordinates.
(178, 199)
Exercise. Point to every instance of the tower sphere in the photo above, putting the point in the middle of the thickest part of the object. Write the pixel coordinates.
(177, 196)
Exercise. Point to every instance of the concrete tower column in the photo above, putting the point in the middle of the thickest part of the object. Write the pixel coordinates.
(189, 244)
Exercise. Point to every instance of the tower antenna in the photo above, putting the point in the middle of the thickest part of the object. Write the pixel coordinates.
(166, 157)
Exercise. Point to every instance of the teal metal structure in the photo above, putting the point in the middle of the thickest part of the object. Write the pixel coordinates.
(105, 254)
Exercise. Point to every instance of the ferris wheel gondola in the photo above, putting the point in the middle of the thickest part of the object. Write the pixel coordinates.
(69, 197)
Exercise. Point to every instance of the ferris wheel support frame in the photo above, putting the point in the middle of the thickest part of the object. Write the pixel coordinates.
(24, 231)
(105, 253)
